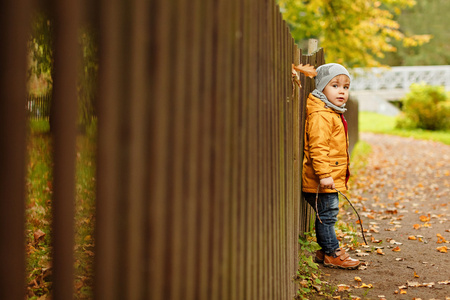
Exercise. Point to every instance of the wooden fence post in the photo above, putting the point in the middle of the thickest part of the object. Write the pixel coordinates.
(14, 31)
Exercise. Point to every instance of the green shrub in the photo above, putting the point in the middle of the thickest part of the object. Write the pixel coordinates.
(425, 107)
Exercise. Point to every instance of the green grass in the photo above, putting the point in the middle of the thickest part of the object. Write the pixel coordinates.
(358, 157)
(38, 214)
(39, 126)
(377, 123)
(39, 218)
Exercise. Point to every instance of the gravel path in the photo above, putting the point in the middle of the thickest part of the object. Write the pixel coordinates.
(403, 196)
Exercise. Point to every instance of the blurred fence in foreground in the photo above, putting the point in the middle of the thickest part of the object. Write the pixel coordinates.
(199, 149)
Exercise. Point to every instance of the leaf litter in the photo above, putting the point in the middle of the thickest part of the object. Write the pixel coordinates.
(401, 195)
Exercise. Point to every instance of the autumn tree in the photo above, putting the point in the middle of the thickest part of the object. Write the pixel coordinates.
(41, 52)
(356, 33)
(426, 17)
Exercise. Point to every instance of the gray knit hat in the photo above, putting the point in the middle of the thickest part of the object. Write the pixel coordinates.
(327, 72)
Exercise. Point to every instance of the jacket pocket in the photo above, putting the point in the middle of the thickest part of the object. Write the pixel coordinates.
(338, 168)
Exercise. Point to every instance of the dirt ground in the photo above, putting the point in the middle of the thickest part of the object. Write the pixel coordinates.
(403, 196)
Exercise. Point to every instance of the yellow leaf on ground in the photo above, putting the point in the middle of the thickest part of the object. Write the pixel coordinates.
(416, 226)
(441, 239)
(396, 249)
(424, 218)
(442, 249)
(412, 237)
(403, 292)
(358, 279)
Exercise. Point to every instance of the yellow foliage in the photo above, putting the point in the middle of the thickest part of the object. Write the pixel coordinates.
(353, 32)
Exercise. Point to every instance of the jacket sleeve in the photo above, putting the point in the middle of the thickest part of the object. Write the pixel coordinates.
(320, 130)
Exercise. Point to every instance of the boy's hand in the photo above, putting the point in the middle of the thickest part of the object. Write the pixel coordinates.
(327, 183)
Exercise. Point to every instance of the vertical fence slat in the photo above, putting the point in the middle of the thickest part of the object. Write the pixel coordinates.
(178, 136)
(207, 71)
(246, 215)
(138, 150)
(108, 154)
(252, 150)
(160, 182)
(64, 113)
(231, 104)
(297, 158)
(192, 75)
(14, 30)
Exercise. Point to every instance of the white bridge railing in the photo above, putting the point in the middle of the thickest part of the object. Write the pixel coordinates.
(395, 78)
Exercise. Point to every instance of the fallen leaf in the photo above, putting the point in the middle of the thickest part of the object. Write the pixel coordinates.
(379, 251)
(396, 249)
(441, 239)
(413, 284)
(403, 292)
(395, 242)
(429, 284)
(358, 279)
(343, 287)
(428, 225)
(412, 237)
(373, 240)
(391, 229)
(442, 249)
(38, 234)
(415, 275)
(307, 69)
(304, 283)
(295, 78)
(424, 218)
(416, 226)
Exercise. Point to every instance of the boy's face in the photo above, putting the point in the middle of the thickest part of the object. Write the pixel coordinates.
(337, 90)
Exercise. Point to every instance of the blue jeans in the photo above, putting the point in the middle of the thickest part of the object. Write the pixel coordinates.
(328, 209)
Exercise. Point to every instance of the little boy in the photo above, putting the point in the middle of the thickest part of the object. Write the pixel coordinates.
(326, 160)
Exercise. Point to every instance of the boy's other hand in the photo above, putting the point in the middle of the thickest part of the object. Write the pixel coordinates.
(327, 183)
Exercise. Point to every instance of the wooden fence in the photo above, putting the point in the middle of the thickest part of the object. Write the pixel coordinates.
(199, 149)
(38, 106)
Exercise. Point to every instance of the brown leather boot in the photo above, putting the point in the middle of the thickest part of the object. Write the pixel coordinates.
(320, 256)
(341, 260)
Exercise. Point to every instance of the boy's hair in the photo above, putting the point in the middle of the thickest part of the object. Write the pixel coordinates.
(327, 72)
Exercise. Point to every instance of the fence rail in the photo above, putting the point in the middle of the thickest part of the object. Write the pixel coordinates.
(199, 149)
(376, 79)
